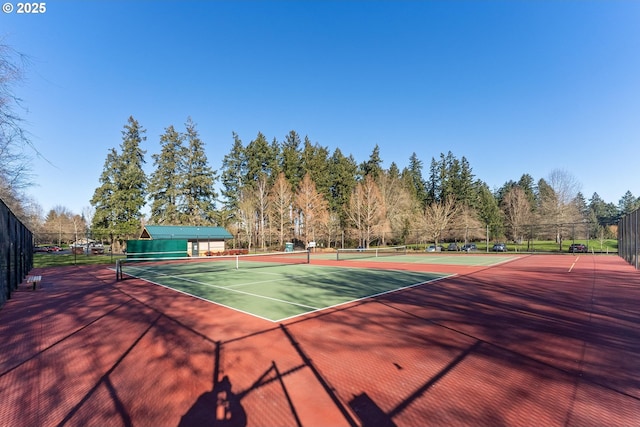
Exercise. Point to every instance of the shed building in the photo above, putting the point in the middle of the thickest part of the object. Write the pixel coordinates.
(200, 239)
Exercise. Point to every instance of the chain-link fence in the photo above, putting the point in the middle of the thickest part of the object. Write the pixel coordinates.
(16, 252)
(628, 239)
(524, 237)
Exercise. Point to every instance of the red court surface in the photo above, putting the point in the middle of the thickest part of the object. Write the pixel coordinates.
(538, 341)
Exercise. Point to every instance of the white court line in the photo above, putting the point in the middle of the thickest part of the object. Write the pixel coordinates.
(204, 299)
(311, 308)
(574, 263)
(276, 280)
(365, 297)
(235, 290)
(478, 260)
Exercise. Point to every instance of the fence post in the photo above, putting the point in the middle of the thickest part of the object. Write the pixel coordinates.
(628, 245)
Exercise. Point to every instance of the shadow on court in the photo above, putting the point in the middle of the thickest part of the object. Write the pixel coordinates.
(218, 407)
(525, 343)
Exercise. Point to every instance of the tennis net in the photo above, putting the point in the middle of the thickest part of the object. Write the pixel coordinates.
(145, 267)
(343, 254)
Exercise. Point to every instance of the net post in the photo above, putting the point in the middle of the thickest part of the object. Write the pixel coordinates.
(118, 270)
(308, 255)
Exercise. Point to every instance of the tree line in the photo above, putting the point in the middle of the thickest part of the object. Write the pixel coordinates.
(293, 190)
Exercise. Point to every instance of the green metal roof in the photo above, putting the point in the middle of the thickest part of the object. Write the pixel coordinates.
(184, 232)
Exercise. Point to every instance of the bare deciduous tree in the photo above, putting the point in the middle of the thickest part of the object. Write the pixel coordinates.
(61, 225)
(468, 226)
(367, 211)
(517, 211)
(438, 216)
(281, 199)
(15, 172)
(313, 209)
(262, 205)
(246, 214)
(398, 205)
(330, 230)
(557, 203)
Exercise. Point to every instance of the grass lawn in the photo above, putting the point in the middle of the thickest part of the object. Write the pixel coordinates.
(59, 260)
(607, 246)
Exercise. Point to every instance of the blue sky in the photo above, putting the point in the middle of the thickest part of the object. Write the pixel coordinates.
(514, 86)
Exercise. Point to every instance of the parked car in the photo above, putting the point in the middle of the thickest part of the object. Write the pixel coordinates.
(469, 247)
(40, 249)
(578, 248)
(434, 248)
(453, 247)
(55, 248)
(499, 247)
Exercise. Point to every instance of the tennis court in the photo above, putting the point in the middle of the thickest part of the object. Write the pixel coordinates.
(399, 254)
(275, 286)
(537, 340)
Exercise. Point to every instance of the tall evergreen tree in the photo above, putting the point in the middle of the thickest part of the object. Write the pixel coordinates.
(104, 222)
(413, 176)
(627, 204)
(290, 159)
(581, 205)
(199, 194)
(393, 172)
(453, 178)
(527, 184)
(373, 166)
(342, 175)
(261, 160)
(544, 192)
(451, 171)
(167, 180)
(121, 196)
(464, 183)
(504, 190)
(234, 167)
(315, 162)
(443, 175)
(488, 209)
(433, 184)
(604, 213)
(131, 181)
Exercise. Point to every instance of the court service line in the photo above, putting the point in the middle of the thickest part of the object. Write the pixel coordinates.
(574, 263)
(316, 273)
(225, 287)
(276, 280)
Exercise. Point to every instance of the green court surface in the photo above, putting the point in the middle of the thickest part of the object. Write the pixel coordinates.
(279, 292)
(472, 260)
